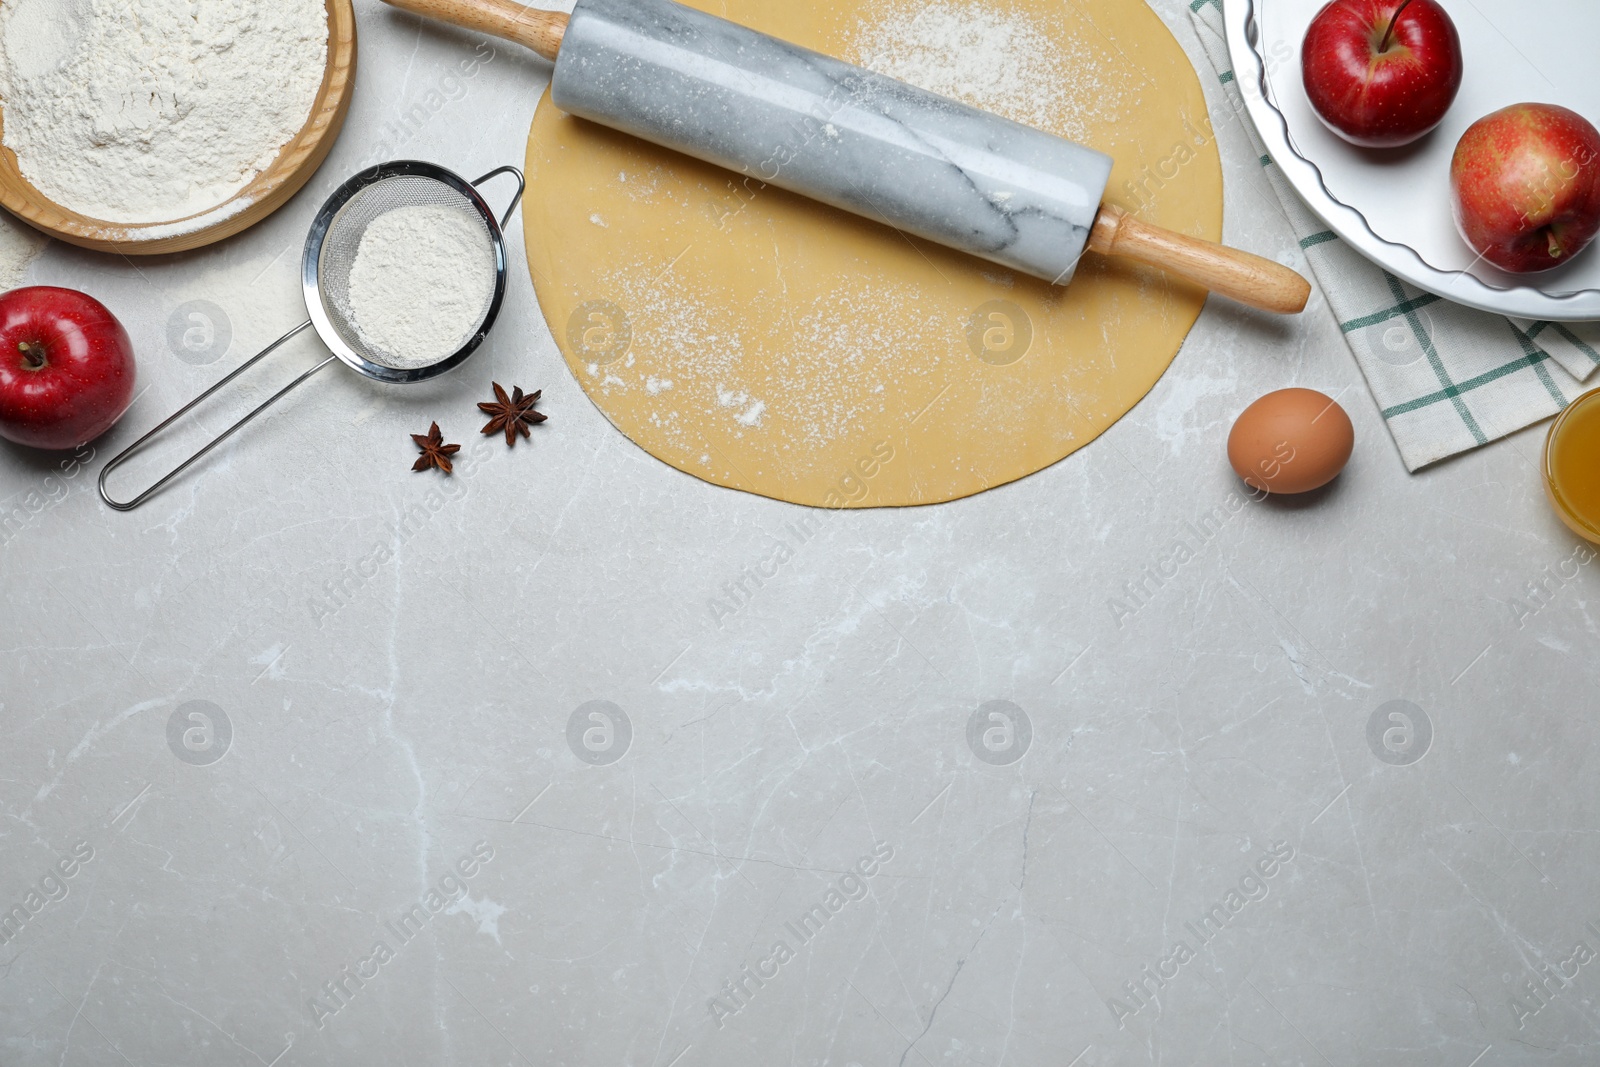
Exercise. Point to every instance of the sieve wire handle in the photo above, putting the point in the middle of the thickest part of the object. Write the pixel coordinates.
(522, 187)
(129, 505)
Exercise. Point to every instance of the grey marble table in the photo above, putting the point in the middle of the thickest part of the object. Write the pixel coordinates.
(313, 762)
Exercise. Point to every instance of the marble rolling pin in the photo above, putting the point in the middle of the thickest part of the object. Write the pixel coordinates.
(858, 141)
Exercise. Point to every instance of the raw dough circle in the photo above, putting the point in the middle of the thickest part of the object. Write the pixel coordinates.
(764, 342)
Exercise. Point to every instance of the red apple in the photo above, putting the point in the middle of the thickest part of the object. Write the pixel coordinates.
(1382, 73)
(66, 367)
(1526, 184)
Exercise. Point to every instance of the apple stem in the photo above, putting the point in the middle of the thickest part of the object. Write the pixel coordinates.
(32, 356)
(1388, 35)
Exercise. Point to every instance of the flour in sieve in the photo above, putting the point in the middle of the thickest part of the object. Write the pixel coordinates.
(140, 111)
(422, 282)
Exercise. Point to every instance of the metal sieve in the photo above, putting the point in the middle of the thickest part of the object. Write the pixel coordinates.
(330, 256)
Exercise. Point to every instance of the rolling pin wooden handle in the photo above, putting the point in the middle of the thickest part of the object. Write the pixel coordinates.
(1249, 279)
(539, 30)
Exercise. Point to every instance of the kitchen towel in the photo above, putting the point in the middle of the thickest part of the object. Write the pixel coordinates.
(1446, 378)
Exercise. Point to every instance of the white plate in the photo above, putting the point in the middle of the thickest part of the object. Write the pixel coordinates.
(1394, 207)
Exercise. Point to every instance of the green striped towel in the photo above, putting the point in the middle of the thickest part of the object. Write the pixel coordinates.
(1447, 378)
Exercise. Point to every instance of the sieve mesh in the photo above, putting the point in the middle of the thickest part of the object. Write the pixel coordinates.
(343, 241)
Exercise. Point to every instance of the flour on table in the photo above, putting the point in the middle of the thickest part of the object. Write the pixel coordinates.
(20, 245)
(141, 111)
(422, 282)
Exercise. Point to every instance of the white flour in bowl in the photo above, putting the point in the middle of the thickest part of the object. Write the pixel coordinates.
(422, 282)
(140, 111)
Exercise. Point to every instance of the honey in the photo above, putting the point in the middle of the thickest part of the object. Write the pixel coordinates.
(1572, 466)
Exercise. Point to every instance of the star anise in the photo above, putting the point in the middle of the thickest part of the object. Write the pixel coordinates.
(435, 453)
(513, 414)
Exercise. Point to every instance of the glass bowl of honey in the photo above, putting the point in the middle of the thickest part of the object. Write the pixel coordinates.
(1572, 466)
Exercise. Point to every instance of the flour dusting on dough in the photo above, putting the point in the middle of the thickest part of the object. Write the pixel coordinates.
(694, 361)
(991, 59)
(869, 349)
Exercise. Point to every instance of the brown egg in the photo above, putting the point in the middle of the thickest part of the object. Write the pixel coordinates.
(1291, 441)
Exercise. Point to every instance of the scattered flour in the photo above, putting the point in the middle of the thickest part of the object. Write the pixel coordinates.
(817, 377)
(753, 409)
(422, 282)
(833, 366)
(20, 245)
(140, 111)
(991, 59)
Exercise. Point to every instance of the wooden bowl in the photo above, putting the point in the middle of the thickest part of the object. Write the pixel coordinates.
(271, 189)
